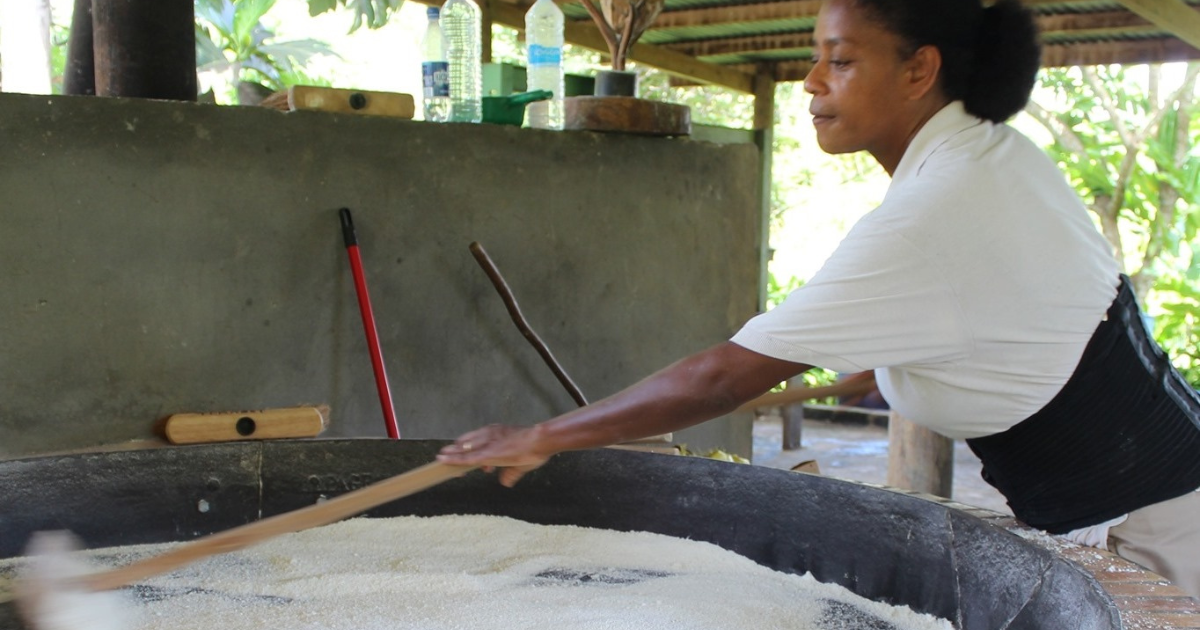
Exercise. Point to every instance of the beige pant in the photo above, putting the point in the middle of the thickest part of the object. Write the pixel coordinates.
(1165, 538)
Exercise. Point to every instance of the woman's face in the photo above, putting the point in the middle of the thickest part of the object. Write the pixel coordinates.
(858, 84)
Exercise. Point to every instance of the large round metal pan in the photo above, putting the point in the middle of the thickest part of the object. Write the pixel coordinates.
(883, 545)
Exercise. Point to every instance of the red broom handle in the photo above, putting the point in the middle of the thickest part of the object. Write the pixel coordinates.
(368, 319)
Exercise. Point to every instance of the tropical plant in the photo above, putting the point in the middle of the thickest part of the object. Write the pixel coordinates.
(373, 13)
(709, 104)
(1128, 149)
(231, 39)
(1178, 327)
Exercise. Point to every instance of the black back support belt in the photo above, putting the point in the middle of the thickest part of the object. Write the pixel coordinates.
(1122, 434)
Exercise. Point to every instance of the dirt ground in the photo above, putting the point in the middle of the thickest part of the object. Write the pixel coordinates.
(860, 453)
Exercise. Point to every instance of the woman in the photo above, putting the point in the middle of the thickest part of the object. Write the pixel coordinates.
(988, 294)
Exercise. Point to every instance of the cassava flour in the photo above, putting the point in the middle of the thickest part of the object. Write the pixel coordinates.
(489, 573)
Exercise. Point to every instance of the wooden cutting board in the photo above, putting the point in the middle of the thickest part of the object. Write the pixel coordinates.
(265, 424)
(342, 101)
(625, 114)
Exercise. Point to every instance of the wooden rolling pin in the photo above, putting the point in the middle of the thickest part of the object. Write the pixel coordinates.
(315, 515)
(265, 424)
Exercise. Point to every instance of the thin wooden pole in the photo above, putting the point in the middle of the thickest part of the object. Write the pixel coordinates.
(793, 418)
(514, 311)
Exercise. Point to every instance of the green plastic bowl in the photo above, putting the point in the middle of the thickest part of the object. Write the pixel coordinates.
(510, 110)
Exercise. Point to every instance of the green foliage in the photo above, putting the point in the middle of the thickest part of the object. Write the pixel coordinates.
(1177, 328)
(778, 289)
(373, 13)
(1093, 170)
(819, 377)
(712, 453)
(59, 36)
(1147, 202)
(710, 104)
(230, 38)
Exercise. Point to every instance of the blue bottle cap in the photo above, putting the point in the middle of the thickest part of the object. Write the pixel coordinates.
(432, 12)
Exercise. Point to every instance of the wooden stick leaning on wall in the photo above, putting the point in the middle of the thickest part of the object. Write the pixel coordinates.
(514, 311)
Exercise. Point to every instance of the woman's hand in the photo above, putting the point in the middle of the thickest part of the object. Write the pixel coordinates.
(514, 450)
(703, 386)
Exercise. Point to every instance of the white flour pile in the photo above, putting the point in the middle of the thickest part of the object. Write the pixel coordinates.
(485, 572)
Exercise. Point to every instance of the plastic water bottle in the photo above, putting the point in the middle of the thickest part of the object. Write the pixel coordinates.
(544, 37)
(435, 70)
(462, 27)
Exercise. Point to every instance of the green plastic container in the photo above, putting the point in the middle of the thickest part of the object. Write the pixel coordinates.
(510, 110)
(502, 79)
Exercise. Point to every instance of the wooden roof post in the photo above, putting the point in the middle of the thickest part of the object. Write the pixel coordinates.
(485, 39)
(145, 48)
(919, 459)
(79, 78)
(764, 136)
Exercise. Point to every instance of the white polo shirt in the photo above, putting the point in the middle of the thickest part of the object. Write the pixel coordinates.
(971, 291)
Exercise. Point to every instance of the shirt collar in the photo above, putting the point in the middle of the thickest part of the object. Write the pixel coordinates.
(952, 119)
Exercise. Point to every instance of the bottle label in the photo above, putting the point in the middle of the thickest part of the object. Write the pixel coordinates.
(435, 76)
(544, 55)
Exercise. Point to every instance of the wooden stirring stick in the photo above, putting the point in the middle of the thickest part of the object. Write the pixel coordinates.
(323, 513)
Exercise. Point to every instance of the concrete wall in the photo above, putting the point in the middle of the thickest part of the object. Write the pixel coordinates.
(163, 257)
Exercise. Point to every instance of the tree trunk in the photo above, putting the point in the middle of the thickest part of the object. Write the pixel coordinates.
(1102, 208)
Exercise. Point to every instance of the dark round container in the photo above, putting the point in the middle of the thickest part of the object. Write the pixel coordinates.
(883, 545)
(616, 83)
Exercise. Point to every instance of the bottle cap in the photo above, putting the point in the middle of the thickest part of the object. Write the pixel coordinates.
(432, 12)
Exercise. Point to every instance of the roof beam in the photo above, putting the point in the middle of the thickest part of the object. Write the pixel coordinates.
(792, 70)
(1053, 27)
(1126, 52)
(739, 45)
(1063, 25)
(586, 34)
(1172, 15)
(1074, 26)
(795, 9)
(1057, 24)
(783, 70)
(1055, 55)
(784, 9)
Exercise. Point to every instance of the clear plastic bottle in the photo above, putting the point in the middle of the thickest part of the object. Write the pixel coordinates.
(544, 38)
(462, 28)
(435, 71)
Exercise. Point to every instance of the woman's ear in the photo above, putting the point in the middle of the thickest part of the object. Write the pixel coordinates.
(923, 68)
